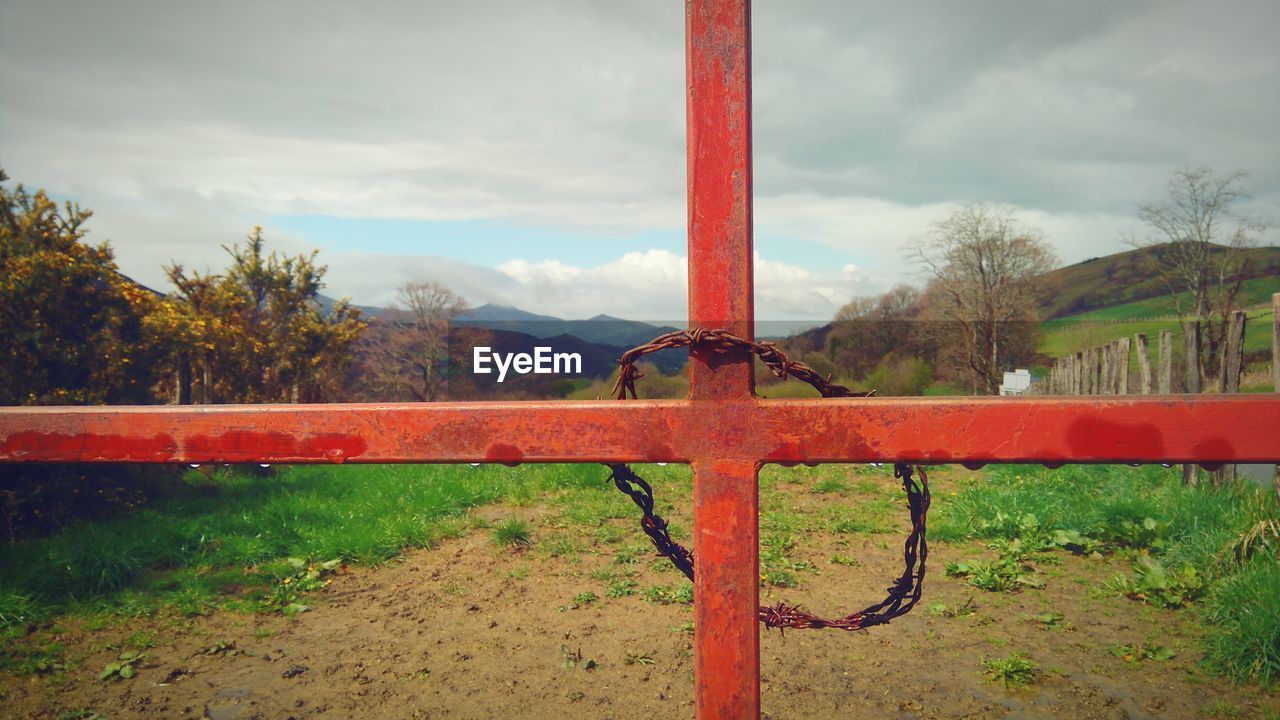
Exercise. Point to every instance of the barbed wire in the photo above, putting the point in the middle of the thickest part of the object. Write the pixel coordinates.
(905, 591)
(722, 341)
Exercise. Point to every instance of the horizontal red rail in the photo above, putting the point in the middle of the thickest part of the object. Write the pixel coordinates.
(1203, 428)
(368, 433)
(1173, 428)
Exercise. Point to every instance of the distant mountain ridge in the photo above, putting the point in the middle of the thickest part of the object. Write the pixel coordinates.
(601, 329)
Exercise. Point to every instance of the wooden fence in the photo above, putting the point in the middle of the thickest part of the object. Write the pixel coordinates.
(1110, 369)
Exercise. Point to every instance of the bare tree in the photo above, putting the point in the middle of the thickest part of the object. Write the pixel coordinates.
(983, 266)
(410, 356)
(1198, 245)
(868, 329)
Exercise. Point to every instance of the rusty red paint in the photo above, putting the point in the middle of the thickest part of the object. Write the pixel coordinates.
(1208, 428)
(725, 506)
(360, 433)
(1190, 428)
(37, 446)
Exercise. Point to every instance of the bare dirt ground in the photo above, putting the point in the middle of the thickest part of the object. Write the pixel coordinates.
(471, 630)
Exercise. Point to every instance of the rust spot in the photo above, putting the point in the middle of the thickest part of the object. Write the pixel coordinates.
(1094, 437)
(505, 454)
(237, 445)
(660, 453)
(1214, 449)
(333, 447)
(30, 446)
(788, 453)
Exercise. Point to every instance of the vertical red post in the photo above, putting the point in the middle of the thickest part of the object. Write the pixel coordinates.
(725, 509)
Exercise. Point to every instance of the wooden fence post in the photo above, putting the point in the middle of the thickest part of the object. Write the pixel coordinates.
(1090, 372)
(1122, 366)
(1229, 378)
(1107, 353)
(1275, 341)
(1164, 374)
(1191, 363)
(1144, 364)
(1191, 378)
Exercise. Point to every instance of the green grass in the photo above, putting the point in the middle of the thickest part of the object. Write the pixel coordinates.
(1189, 533)
(1063, 337)
(1014, 671)
(1074, 333)
(943, 389)
(1253, 293)
(512, 532)
(194, 550)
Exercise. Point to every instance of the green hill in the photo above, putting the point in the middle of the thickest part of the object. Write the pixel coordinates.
(1124, 279)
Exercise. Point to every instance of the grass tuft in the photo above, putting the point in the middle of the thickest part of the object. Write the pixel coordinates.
(1014, 671)
(512, 532)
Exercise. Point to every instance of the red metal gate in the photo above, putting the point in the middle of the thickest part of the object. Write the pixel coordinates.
(722, 429)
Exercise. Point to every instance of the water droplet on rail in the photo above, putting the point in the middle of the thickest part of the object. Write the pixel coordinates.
(662, 464)
(264, 465)
(974, 465)
(1135, 464)
(1166, 465)
(475, 464)
(336, 456)
(812, 464)
(877, 464)
(511, 464)
(195, 465)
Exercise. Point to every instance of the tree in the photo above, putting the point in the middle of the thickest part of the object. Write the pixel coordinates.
(409, 353)
(983, 265)
(849, 342)
(72, 329)
(258, 333)
(867, 330)
(1198, 244)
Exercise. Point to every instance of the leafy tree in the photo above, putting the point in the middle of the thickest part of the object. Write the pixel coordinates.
(73, 330)
(258, 332)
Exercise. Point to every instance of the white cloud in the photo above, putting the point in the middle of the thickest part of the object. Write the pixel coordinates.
(184, 125)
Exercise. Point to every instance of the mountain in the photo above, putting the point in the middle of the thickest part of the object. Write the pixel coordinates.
(1124, 278)
(368, 311)
(503, 314)
(601, 329)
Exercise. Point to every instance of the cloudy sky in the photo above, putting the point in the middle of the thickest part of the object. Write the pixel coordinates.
(531, 153)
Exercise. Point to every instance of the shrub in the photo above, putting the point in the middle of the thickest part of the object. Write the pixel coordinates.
(905, 376)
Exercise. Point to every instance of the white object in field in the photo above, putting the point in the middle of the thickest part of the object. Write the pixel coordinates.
(1016, 382)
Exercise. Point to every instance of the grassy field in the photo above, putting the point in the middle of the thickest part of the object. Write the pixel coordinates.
(1254, 293)
(1061, 338)
(1076, 333)
(228, 529)
(1214, 553)
(261, 545)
